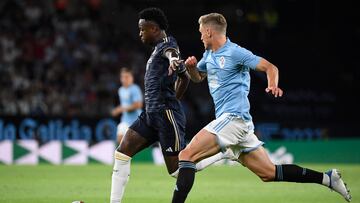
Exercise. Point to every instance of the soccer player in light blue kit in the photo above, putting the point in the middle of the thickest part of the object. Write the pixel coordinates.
(227, 66)
(131, 102)
(163, 119)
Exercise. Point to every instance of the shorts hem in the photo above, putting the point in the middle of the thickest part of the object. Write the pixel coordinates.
(222, 146)
(248, 150)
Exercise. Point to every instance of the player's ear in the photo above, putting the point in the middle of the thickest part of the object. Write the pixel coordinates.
(152, 28)
(208, 32)
(157, 29)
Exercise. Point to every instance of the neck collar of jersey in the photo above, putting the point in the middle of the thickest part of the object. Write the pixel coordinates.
(224, 45)
(162, 40)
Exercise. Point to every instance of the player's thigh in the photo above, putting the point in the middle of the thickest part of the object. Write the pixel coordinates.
(119, 138)
(204, 144)
(138, 136)
(132, 143)
(259, 163)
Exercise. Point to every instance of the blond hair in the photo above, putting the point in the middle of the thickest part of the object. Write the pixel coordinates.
(216, 20)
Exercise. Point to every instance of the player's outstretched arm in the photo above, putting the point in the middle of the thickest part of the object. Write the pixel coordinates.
(134, 106)
(120, 109)
(272, 74)
(194, 74)
(116, 111)
(177, 65)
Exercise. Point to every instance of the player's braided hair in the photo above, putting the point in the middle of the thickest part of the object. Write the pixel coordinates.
(156, 15)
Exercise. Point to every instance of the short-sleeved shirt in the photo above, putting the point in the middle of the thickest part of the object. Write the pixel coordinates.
(128, 96)
(229, 79)
(159, 86)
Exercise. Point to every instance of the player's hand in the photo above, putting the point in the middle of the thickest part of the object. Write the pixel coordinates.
(113, 113)
(276, 91)
(174, 65)
(116, 111)
(191, 62)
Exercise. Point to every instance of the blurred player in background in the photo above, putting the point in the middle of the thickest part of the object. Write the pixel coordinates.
(163, 119)
(227, 66)
(131, 102)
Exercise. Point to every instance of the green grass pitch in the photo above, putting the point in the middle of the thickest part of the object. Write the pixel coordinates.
(150, 184)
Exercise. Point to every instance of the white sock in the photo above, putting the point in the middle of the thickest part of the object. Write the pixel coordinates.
(175, 174)
(203, 163)
(326, 180)
(120, 176)
(208, 161)
(157, 156)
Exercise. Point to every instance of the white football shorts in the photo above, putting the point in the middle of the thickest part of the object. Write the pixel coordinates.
(234, 133)
(122, 128)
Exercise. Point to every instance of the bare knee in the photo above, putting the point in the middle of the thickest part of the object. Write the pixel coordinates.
(260, 164)
(267, 176)
(186, 155)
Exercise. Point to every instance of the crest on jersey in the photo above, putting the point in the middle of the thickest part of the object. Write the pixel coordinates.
(222, 62)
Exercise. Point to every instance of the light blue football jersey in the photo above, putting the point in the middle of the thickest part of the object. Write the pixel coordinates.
(229, 78)
(127, 96)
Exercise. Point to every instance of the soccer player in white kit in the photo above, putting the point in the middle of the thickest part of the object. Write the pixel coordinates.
(226, 66)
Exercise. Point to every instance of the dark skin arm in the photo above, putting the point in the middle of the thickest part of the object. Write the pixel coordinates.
(181, 84)
(176, 65)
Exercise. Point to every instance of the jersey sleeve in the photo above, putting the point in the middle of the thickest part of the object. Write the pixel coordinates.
(136, 94)
(201, 65)
(170, 45)
(246, 58)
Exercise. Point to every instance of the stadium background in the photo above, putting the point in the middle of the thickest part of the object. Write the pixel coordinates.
(59, 64)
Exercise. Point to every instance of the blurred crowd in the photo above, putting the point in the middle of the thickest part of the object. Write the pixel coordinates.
(60, 58)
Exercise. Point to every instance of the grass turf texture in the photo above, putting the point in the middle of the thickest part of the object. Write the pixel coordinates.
(150, 184)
